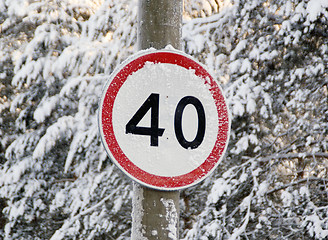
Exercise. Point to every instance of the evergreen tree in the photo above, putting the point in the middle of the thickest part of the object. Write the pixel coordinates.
(56, 180)
(270, 57)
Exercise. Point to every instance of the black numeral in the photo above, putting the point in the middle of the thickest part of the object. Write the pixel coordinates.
(178, 122)
(152, 103)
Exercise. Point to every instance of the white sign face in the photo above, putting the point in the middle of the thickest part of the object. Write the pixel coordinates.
(169, 83)
(164, 120)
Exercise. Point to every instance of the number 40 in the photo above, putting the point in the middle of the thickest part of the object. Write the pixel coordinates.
(152, 104)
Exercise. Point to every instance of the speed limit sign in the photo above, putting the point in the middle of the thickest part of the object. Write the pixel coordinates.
(163, 120)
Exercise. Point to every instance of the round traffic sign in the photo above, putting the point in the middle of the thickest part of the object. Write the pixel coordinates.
(163, 120)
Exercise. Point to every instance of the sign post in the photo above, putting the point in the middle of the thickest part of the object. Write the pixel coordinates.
(159, 24)
(163, 120)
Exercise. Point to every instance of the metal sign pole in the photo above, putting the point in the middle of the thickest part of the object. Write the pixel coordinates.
(156, 213)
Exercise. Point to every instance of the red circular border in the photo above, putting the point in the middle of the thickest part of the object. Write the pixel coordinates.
(143, 177)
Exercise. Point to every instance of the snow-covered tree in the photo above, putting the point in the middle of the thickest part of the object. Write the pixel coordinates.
(271, 58)
(56, 180)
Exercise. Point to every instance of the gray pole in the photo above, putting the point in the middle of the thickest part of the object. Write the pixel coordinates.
(155, 213)
(159, 23)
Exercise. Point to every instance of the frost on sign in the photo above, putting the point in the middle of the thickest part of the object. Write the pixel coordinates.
(163, 120)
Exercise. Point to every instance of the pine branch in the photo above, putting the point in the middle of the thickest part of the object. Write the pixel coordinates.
(310, 179)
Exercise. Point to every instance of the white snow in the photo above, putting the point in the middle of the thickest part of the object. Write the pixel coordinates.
(55, 132)
(241, 145)
(240, 46)
(262, 188)
(117, 204)
(13, 175)
(171, 217)
(315, 227)
(45, 108)
(137, 231)
(219, 188)
(314, 8)
(287, 198)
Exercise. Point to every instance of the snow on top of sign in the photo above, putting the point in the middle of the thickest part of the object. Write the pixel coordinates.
(170, 47)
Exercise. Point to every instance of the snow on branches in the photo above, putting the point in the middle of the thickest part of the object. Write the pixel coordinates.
(270, 57)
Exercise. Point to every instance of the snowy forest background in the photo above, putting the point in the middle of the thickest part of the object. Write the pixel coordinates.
(270, 57)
